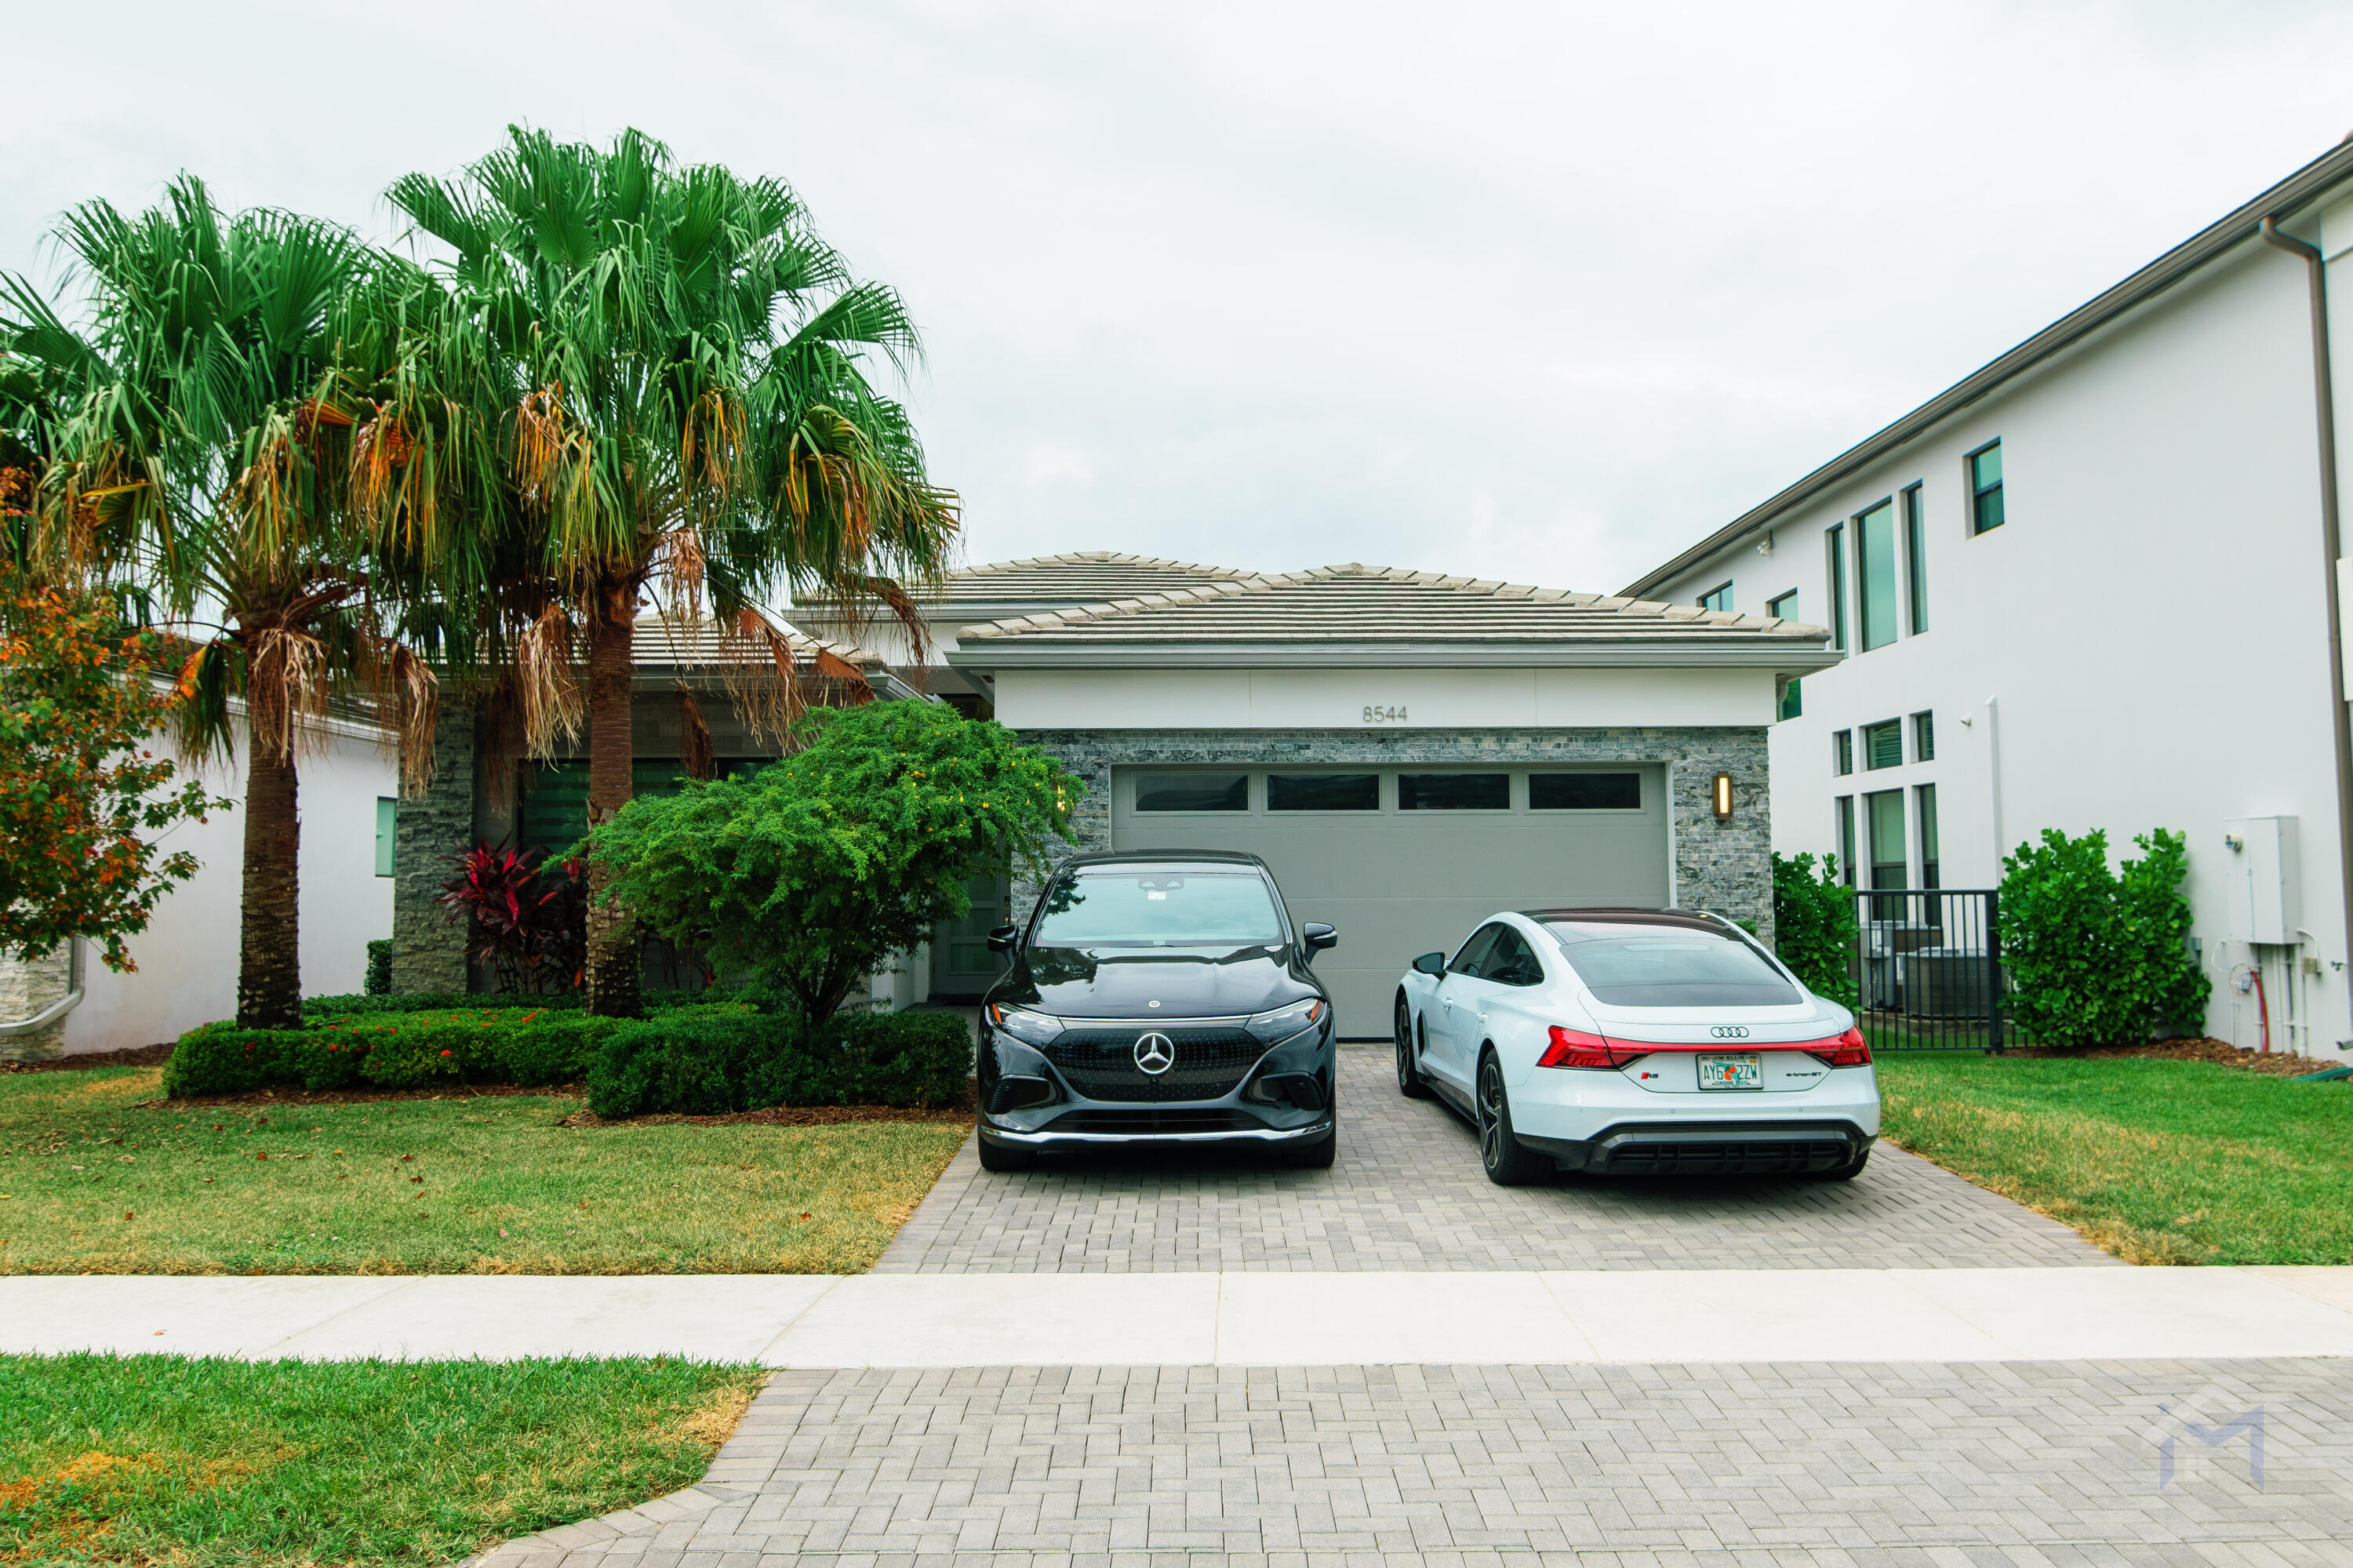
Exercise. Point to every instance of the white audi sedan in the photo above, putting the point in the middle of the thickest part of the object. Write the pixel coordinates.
(1636, 1042)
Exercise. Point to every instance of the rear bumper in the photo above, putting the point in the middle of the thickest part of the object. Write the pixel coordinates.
(1709, 1149)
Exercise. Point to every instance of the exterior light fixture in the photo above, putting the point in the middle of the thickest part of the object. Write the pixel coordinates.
(1720, 792)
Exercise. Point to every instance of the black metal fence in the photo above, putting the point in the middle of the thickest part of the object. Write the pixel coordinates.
(1928, 966)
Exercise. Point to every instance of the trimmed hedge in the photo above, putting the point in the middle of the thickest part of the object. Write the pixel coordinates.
(351, 1005)
(703, 1064)
(391, 1050)
(379, 968)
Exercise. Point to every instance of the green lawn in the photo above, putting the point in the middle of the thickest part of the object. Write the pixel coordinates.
(157, 1459)
(477, 1185)
(2157, 1161)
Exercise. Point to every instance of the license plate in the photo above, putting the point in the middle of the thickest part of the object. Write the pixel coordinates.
(1732, 1072)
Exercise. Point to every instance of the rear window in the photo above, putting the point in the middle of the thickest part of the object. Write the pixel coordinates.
(1122, 907)
(1630, 965)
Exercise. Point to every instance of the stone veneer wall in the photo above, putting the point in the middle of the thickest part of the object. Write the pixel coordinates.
(29, 987)
(1724, 866)
(428, 952)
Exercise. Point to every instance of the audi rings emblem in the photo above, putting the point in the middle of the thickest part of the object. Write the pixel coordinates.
(1730, 1031)
(1154, 1053)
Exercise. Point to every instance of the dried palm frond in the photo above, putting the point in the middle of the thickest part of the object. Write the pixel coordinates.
(286, 690)
(694, 758)
(546, 685)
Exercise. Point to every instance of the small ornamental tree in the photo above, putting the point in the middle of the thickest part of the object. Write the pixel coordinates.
(2096, 957)
(80, 802)
(1814, 926)
(820, 867)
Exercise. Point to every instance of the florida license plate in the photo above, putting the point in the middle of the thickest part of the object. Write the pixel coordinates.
(1732, 1072)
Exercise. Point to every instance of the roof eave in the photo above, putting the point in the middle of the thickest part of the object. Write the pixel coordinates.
(1791, 657)
(2292, 193)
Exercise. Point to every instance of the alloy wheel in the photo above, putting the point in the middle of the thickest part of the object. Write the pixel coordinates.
(1403, 1033)
(1491, 1113)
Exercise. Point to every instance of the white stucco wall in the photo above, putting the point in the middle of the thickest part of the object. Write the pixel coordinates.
(2144, 640)
(187, 955)
(1341, 699)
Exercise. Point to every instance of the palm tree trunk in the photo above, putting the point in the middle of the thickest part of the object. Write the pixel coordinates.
(613, 963)
(269, 958)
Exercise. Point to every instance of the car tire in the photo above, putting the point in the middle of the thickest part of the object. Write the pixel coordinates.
(1410, 1083)
(999, 1156)
(1509, 1162)
(1318, 1155)
(1846, 1172)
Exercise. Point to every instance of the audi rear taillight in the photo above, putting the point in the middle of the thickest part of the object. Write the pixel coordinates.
(1573, 1048)
(1849, 1050)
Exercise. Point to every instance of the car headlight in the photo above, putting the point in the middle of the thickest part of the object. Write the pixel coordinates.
(1025, 1024)
(1285, 1021)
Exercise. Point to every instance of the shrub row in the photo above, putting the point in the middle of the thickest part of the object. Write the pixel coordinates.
(398, 1050)
(316, 1009)
(706, 1064)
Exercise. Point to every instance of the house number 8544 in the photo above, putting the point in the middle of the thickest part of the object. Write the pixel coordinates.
(1377, 714)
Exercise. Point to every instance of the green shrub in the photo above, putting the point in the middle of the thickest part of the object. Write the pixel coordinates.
(394, 1050)
(349, 1005)
(379, 968)
(706, 1064)
(2097, 957)
(223, 1059)
(1815, 929)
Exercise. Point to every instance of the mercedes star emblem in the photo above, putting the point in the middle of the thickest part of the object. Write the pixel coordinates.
(1156, 1053)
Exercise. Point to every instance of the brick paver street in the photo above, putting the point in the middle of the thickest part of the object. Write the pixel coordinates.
(1408, 1193)
(1766, 1466)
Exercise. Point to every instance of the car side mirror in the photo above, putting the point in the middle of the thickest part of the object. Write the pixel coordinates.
(1431, 964)
(1317, 935)
(1003, 938)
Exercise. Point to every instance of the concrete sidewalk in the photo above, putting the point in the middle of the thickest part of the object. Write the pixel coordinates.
(1944, 1315)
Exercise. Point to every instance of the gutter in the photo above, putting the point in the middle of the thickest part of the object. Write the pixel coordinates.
(2323, 399)
(2243, 225)
(1046, 653)
(56, 1009)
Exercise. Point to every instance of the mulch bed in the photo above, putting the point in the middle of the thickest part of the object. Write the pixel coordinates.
(2201, 1048)
(287, 1094)
(137, 1057)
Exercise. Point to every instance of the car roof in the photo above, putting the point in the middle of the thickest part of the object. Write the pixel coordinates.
(1165, 857)
(1684, 919)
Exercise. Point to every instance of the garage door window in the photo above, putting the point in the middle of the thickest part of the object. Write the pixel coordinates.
(1585, 791)
(1454, 791)
(1323, 791)
(1193, 792)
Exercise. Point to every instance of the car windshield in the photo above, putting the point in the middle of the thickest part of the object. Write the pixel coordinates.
(1124, 906)
(1625, 964)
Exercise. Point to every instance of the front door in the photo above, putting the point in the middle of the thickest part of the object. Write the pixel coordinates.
(1454, 1016)
(961, 965)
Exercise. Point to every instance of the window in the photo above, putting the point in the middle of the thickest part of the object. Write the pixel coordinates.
(1639, 963)
(1883, 745)
(1923, 738)
(387, 818)
(1924, 805)
(1837, 539)
(1585, 791)
(1874, 576)
(1157, 908)
(1915, 561)
(1323, 791)
(1842, 752)
(1985, 488)
(1783, 607)
(1716, 598)
(1510, 961)
(1454, 791)
(1193, 792)
(1474, 951)
(1789, 704)
(1885, 814)
(1846, 839)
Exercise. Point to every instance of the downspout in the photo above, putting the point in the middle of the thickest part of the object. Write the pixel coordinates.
(2325, 405)
(58, 1009)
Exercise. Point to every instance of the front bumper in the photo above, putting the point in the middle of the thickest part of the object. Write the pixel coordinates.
(1052, 1138)
(1282, 1095)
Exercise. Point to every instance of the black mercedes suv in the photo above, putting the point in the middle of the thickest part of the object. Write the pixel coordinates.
(1158, 996)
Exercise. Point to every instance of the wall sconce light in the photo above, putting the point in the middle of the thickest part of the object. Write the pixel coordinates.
(1720, 791)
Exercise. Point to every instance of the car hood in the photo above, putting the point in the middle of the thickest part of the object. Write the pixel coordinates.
(1154, 982)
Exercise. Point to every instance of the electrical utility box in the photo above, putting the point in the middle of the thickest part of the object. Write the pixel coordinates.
(2260, 869)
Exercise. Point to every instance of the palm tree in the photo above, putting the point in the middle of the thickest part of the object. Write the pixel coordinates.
(205, 452)
(686, 413)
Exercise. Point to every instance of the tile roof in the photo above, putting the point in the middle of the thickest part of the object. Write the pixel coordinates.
(665, 645)
(1083, 576)
(1377, 608)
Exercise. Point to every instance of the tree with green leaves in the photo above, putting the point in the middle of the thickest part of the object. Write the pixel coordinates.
(812, 873)
(2096, 957)
(1815, 930)
(673, 371)
(201, 427)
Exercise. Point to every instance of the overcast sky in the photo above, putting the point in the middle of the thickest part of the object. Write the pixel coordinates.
(1541, 293)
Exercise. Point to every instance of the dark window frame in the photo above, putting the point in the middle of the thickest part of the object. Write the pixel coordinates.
(1773, 606)
(1243, 774)
(1926, 831)
(1924, 735)
(1836, 536)
(1272, 777)
(1723, 590)
(1866, 625)
(1842, 753)
(1915, 558)
(1846, 840)
(1884, 726)
(1986, 497)
(1634, 773)
(1403, 804)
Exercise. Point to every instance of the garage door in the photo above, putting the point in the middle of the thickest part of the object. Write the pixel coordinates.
(1407, 860)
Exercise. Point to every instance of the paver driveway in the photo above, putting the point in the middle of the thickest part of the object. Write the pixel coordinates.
(1408, 1193)
(1763, 1466)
